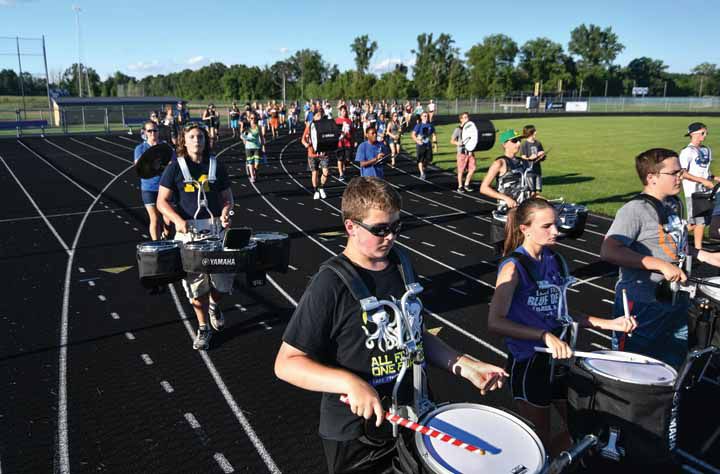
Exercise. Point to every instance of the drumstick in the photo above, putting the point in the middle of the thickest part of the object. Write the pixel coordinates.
(626, 307)
(609, 357)
(426, 431)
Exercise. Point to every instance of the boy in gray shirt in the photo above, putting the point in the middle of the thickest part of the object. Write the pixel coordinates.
(647, 240)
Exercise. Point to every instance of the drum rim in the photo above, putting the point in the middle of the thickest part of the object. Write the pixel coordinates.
(276, 236)
(708, 291)
(204, 244)
(429, 460)
(154, 246)
(251, 245)
(595, 371)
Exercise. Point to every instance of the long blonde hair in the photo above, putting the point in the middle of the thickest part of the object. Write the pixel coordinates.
(521, 215)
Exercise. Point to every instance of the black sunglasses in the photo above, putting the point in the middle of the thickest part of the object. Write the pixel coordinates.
(191, 125)
(382, 230)
(516, 140)
(152, 130)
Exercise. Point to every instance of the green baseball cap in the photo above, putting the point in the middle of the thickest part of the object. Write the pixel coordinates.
(509, 134)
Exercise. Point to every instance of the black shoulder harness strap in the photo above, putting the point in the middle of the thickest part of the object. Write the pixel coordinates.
(347, 273)
(658, 205)
(527, 264)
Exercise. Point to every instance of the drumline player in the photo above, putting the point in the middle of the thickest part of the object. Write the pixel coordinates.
(345, 142)
(465, 159)
(328, 347)
(695, 159)
(504, 166)
(203, 290)
(160, 227)
(527, 316)
(647, 250)
(316, 161)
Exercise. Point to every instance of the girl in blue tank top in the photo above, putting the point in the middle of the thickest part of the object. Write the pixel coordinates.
(527, 316)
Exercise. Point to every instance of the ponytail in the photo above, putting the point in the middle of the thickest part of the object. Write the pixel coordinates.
(521, 215)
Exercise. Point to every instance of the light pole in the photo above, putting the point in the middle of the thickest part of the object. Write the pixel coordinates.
(77, 10)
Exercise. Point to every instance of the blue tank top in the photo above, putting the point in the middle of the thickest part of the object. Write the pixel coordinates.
(532, 306)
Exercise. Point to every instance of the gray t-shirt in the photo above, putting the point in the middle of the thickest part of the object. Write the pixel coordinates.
(637, 226)
(531, 148)
(457, 136)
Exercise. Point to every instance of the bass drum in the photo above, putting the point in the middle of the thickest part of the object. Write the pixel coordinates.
(324, 135)
(511, 445)
(159, 262)
(478, 135)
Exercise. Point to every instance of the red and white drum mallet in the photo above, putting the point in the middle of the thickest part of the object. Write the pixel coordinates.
(426, 431)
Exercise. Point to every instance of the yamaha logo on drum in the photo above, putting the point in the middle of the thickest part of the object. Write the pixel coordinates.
(218, 261)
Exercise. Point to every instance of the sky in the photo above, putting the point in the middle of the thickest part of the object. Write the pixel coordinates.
(142, 38)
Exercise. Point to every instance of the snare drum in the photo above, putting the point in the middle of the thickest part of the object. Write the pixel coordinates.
(273, 251)
(703, 320)
(571, 219)
(637, 401)
(511, 446)
(159, 262)
(209, 256)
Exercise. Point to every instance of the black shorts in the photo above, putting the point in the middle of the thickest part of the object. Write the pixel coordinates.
(360, 455)
(423, 154)
(344, 154)
(530, 380)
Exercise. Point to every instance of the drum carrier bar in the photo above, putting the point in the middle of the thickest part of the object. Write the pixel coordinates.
(409, 323)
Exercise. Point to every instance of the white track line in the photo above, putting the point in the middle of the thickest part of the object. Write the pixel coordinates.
(102, 151)
(65, 214)
(229, 399)
(80, 187)
(79, 157)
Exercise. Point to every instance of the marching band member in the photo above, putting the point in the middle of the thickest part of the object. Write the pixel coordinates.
(345, 143)
(527, 314)
(316, 161)
(648, 241)
(194, 163)
(332, 346)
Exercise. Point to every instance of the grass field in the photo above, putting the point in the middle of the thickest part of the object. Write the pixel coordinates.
(590, 159)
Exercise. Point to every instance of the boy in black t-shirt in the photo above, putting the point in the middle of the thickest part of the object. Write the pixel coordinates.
(332, 346)
(533, 151)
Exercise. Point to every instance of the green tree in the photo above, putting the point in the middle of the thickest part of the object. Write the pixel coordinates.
(594, 45)
(363, 49)
(433, 61)
(491, 65)
(544, 61)
(69, 80)
(707, 77)
(646, 72)
(9, 82)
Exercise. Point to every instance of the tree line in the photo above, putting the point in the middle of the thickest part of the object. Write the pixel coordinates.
(495, 67)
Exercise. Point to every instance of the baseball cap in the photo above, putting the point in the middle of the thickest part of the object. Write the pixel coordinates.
(509, 134)
(695, 127)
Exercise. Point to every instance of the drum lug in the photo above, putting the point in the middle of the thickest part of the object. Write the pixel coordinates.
(611, 450)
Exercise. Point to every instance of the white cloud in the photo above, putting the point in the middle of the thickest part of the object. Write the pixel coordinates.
(196, 60)
(284, 50)
(145, 66)
(389, 64)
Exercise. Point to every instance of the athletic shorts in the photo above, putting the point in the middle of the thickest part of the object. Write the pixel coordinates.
(344, 154)
(315, 164)
(702, 220)
(423, 154)
(252, 155)
(149, 198)
(466, 161)
(530, 380)
(199, 284)
(233, 123)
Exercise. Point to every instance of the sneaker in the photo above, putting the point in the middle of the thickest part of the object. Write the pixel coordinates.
(252, 180)
(460, 189)
(422, 176)
(202, 340)
(217, 320)
(468, 189)
(316, 195)
(322, 193)
(341, 178)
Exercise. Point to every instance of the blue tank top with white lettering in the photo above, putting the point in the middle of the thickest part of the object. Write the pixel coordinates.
(532, 306)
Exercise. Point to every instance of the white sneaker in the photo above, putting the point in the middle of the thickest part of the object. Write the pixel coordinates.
(316, 195)
(322, 193)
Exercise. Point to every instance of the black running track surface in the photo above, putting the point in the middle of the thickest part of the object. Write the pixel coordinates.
(98, 375)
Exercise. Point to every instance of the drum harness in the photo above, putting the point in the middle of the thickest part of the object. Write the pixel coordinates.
(202, 202)
(407, 331)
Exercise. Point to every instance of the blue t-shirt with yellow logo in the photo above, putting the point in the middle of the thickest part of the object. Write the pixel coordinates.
(187, 194)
